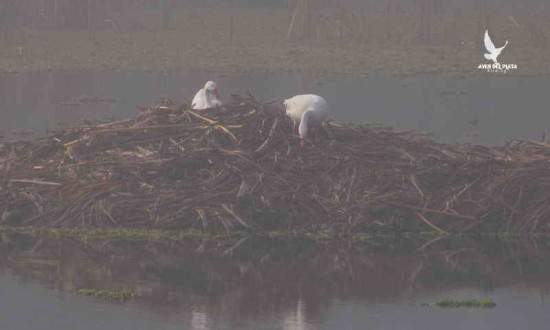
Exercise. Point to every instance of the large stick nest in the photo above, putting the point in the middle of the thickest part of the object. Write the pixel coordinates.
(241, 168)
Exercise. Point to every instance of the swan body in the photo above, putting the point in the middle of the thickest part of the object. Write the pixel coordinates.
(207, 97)
(306, 110)
(493, 51)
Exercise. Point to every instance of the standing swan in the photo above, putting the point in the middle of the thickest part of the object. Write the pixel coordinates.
(306, 110)
(207, 97)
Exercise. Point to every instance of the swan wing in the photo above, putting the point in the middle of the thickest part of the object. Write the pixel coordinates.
(199, 101)
(489, 43)
(295, 107)
(299, 104)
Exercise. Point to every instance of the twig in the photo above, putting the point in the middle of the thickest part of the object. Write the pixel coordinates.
(130, 129)
(269, 136)
(217, 125)
(206, 119)
(107, 213)
(431, 224)
(176, 144)
(430, 242)
(236, 245)
(430, 210)
(238, 218)
(412, 179)
(45, 183)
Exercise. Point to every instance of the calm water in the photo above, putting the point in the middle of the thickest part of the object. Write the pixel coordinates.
(386, 284)
(454, 109)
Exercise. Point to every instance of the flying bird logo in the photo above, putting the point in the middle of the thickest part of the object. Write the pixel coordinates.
(490, 46)
(492, 54)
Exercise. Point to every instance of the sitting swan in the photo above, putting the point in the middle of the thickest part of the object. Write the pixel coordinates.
(207, 97)
(306, 110)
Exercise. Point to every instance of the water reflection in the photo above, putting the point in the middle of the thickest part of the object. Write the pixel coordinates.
(453, 109)
(280, 284)
(296, 319)
(199, 320)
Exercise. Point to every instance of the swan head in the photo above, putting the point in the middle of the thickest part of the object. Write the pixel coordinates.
(212, 88)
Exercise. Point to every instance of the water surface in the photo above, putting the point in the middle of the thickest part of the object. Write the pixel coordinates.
(279, 284)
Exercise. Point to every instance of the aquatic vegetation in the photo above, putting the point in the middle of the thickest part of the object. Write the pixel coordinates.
(475, 303)
(320, 236)
(86, 292)
(311, 236)
(508, 237)
(430, 234)
(282, 234)
(109, 294)
(88, 235)
(363, 238)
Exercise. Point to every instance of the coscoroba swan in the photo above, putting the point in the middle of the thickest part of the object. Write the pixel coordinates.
(207, 97)
(306, 110)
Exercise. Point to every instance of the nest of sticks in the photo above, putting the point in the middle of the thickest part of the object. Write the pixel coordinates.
(241, 168)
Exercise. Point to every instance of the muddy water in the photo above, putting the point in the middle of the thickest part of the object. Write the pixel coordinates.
(453, 109)
(279, 284)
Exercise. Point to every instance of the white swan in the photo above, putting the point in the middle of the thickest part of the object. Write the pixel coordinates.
(493, 51)
(207, 97)
(306, 110)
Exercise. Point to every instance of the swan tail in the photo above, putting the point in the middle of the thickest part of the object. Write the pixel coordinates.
(488, 56)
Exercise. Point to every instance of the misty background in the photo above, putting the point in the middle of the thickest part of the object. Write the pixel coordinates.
(407, 22)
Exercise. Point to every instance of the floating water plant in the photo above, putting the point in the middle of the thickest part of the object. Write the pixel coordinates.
(86, 292)
(282, 234)
(508, 237)
(474, 303)
(108, 294)
(362, 238)
(119, 234)
(321, 236)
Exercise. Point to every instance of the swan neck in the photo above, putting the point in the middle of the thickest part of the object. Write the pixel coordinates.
(302, 129)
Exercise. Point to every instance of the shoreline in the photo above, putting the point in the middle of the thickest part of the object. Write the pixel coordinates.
(457, 74)
(131, 234)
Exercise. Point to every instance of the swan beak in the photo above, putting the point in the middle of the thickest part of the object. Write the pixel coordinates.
(302, 143)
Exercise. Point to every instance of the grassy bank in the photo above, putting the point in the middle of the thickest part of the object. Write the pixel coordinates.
(202, 39)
